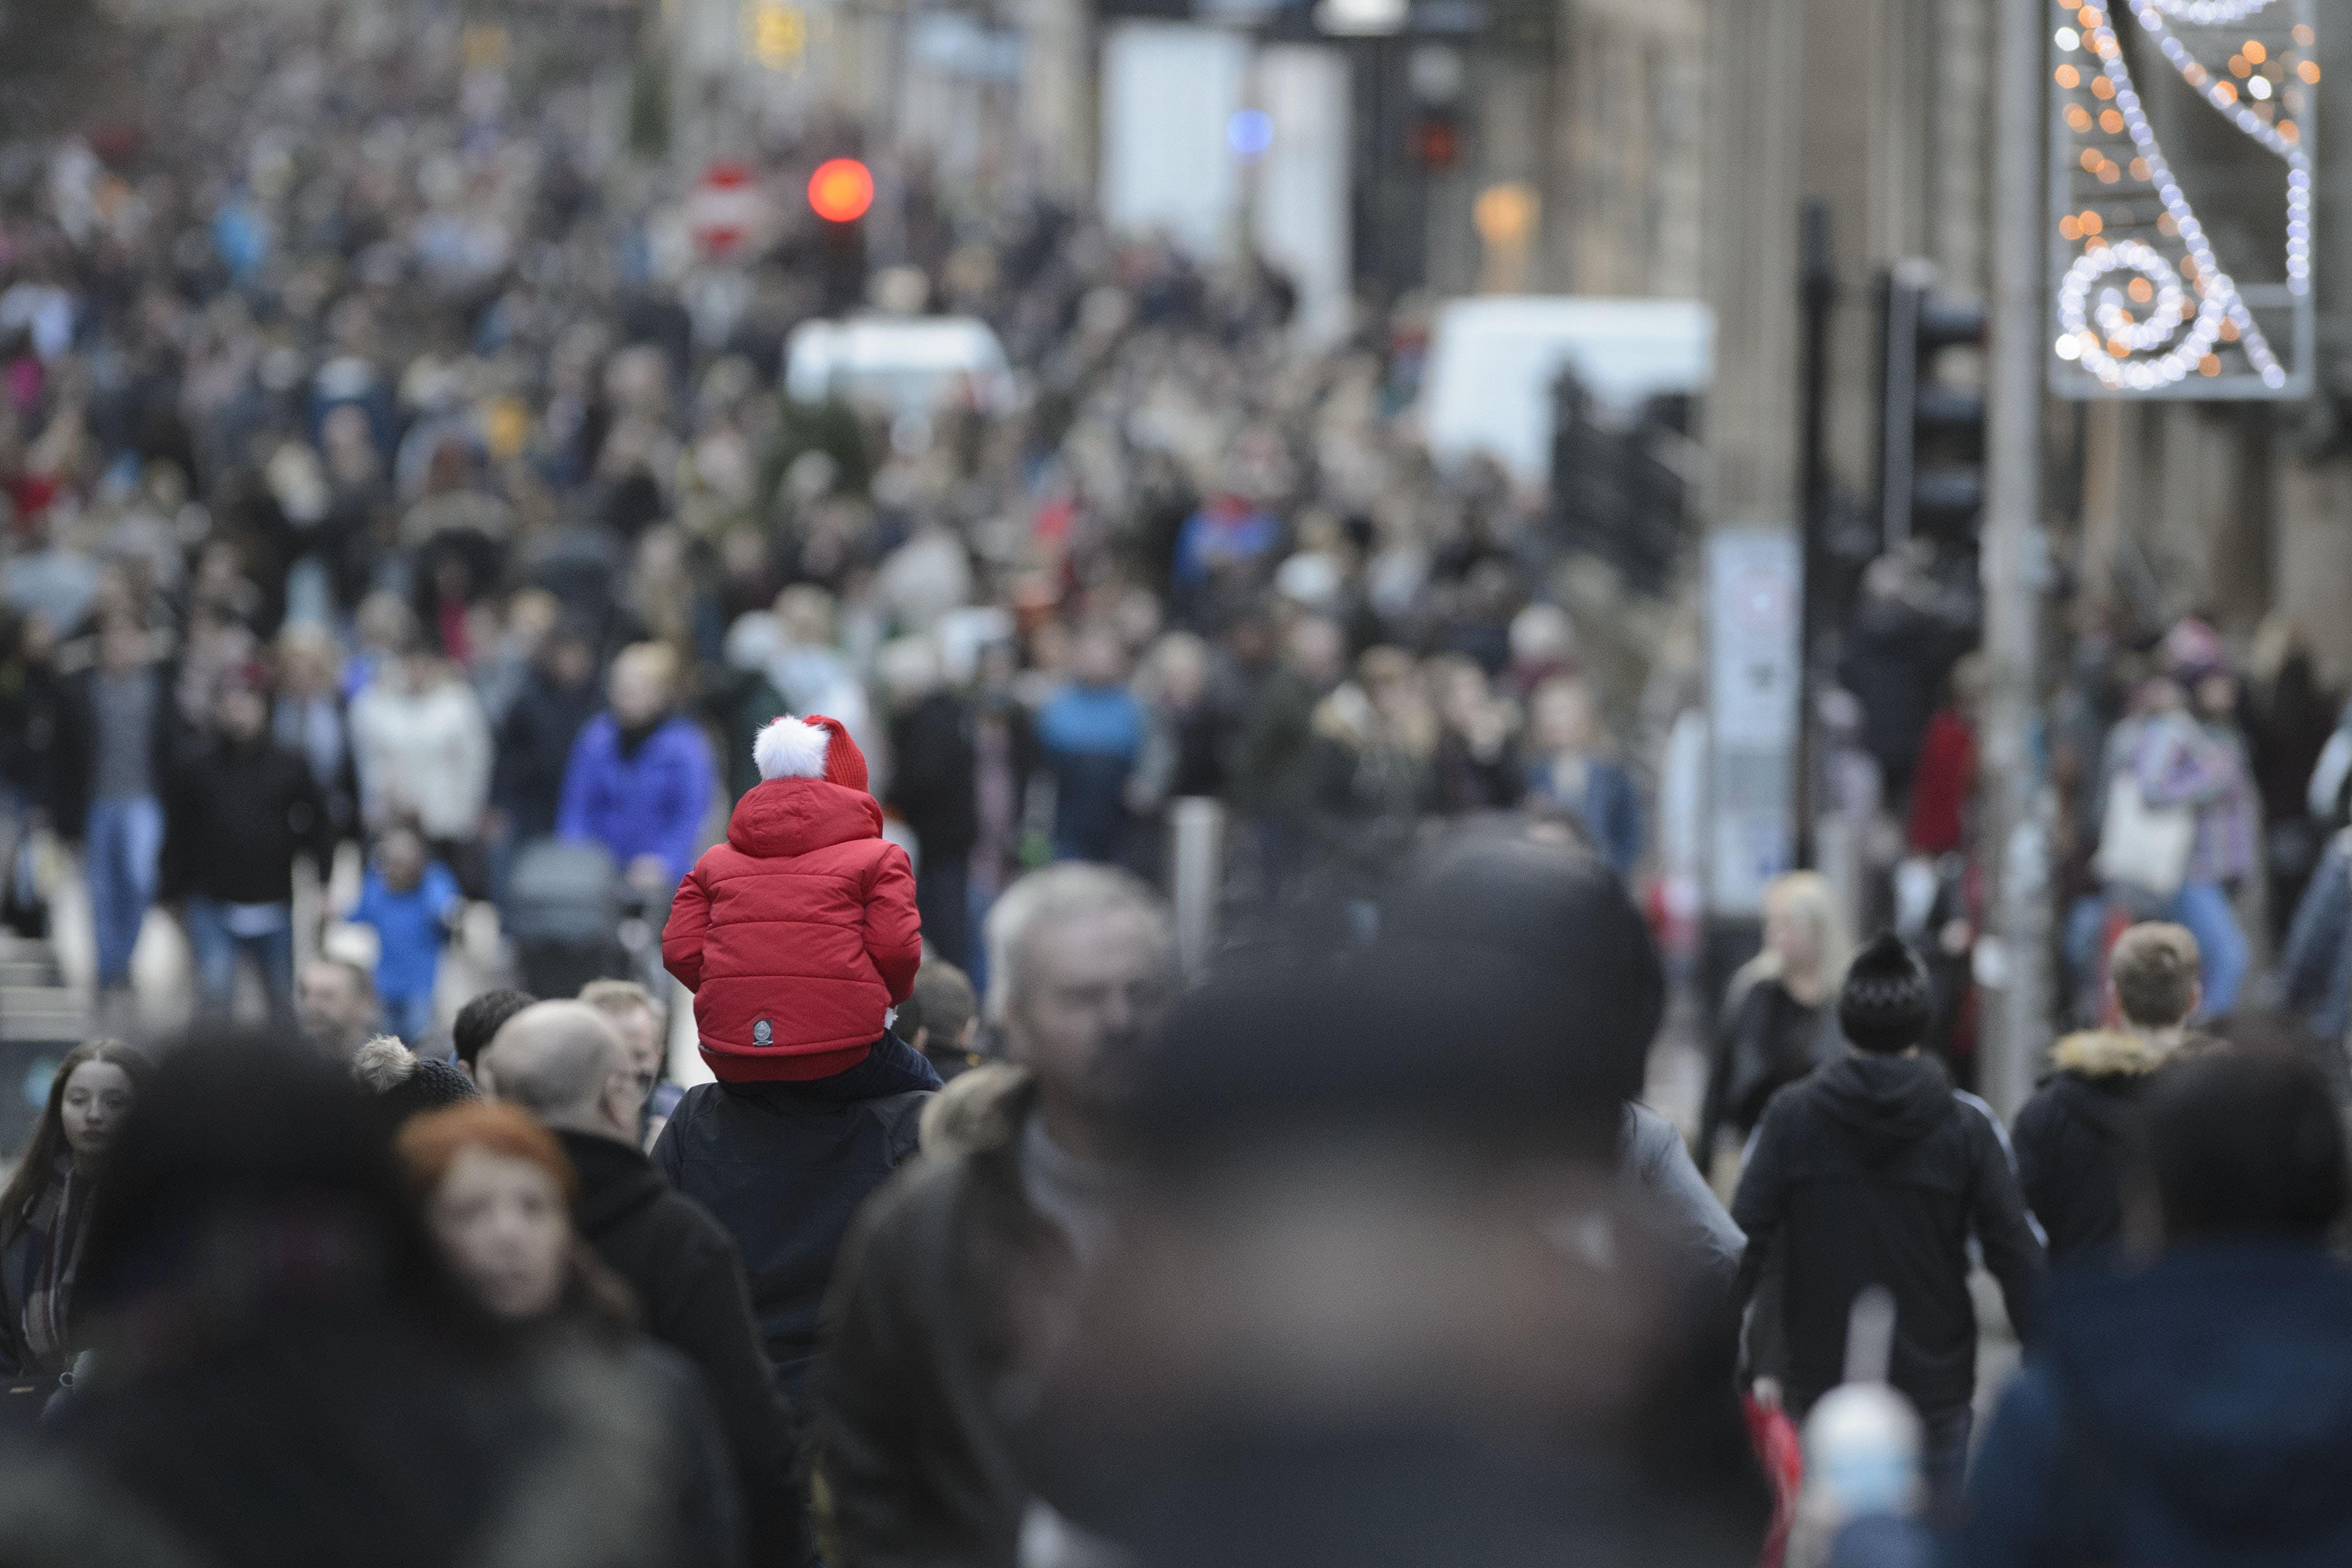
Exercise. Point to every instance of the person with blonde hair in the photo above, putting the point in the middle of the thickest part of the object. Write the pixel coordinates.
(1779, 1016)
(641, 774)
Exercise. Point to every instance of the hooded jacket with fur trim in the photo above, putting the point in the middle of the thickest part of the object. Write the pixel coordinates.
(2070, 1136)
(797, 935)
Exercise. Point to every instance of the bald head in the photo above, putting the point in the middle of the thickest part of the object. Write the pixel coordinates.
(563, 1062)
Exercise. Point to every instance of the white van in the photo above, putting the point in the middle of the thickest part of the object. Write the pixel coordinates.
(908, 365)
(1487, 384)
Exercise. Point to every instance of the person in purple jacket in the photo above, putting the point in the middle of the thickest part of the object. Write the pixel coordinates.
(641, 776)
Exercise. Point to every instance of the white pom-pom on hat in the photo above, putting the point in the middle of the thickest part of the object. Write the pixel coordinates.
(815, 747)
(791, 748)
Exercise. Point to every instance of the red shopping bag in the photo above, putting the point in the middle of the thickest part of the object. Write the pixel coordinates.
(1783, 1458)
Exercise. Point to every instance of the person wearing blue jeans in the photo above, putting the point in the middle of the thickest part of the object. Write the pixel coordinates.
(122, 844)
(2206, 909)
(220, 933)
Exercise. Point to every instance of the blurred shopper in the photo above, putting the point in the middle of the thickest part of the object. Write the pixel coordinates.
(1944, 785)
(640, 778)
(961, 1255)
(1478, 766)
(2197, 1407)
(1376, 749)
(1874, 1172)
(411, 903)
(113, 762)
(2071, 1135)
(1570, 773)
(932, 791)
(1090, 736)
(497, 1190)
(44, 1210)
(288, 1373)
(940, 1019)
(559, 697)
(408, 1085)
(816, 1101)
(335, 1001)
(2290, 719)
(477, 1024)
(308, 718)
(1779, 1017)
(240, 812)
(1274, 766)
(2314, 974)
(566, 1064)
(644, 1030)
(1524, 1372)
(423, 749)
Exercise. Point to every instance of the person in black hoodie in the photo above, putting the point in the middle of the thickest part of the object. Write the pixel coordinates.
(563, 1062)
(1873, 1172)
(2070, 1136)
(237, 815)
(931, 789)
(559, 697)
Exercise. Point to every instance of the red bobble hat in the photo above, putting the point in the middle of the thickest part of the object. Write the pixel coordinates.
(815, 747)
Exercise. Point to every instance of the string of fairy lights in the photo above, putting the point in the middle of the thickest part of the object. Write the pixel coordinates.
(2132, 316)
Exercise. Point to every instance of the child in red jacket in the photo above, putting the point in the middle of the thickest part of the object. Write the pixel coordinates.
(799, 933)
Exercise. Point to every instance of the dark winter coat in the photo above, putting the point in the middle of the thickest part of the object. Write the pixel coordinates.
(236, 816)
(534, 748)
(2197, 1411)
(2070, 1138)
(1874, 1171)
(930, 777)
(689, 1287)
(920, 1327)
(784, 1166)
(1771, 1041)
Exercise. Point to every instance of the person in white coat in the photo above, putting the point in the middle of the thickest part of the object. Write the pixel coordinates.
(422, 748)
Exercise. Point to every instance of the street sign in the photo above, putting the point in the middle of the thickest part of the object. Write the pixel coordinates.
(1754, 578)
(2182, 197)
(725, 210)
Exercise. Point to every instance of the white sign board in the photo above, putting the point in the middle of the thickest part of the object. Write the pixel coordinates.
(1753, 581)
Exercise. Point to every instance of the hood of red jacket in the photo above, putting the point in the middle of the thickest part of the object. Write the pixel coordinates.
(793, 816)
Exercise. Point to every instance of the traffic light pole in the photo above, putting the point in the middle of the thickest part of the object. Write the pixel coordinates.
(2016, 848)
(1817, 288)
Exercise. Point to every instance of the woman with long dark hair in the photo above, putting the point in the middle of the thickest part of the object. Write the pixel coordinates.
(45, 1211)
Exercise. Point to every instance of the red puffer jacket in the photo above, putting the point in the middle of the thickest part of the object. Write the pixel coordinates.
(796, 935)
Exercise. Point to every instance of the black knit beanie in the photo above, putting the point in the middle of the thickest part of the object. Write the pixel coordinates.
(1887, 1005)
(434, 1086)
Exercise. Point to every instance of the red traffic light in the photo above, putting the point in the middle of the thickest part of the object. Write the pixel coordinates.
(841, 190)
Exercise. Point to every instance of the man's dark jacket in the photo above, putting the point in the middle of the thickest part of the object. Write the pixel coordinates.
(784, 1166)
(236, 816)
(1873, 1171)
(931, 775)
(75, 756)
(2196, 1412)
(690, 1286)
(2070, 1138)
(534, 749)
(920, 1329)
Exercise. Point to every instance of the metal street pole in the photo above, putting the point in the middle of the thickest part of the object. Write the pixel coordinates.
(2016, 849)
(1817, 292)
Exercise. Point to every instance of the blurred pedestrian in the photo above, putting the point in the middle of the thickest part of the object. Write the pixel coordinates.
(308, 717)
(940, 1019)
(46, 1207)
(1275, 766)
(1090, 735)
(1780, 1013)
(1571, 773)
(559, 697)
(644, 1028)
(932, 791)
(113, 762)
(1874, 1172)
(640, 778)
(335, 1001)
(2290, 717)
(963, 1253)
(477, 1024)
(566, 1064)
(1478, 746)
(497, 1190)
(412, 903)
(239, 813)
(289, 1374)
(406, 1084)
(2195, 1408)
(816, 1100)
(2071, 1135)
(422, 752)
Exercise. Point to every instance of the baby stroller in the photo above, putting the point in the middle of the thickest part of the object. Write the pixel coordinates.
(564, 915)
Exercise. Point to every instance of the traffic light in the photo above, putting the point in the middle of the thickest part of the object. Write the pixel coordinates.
(1931, 430)
(840, 192)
